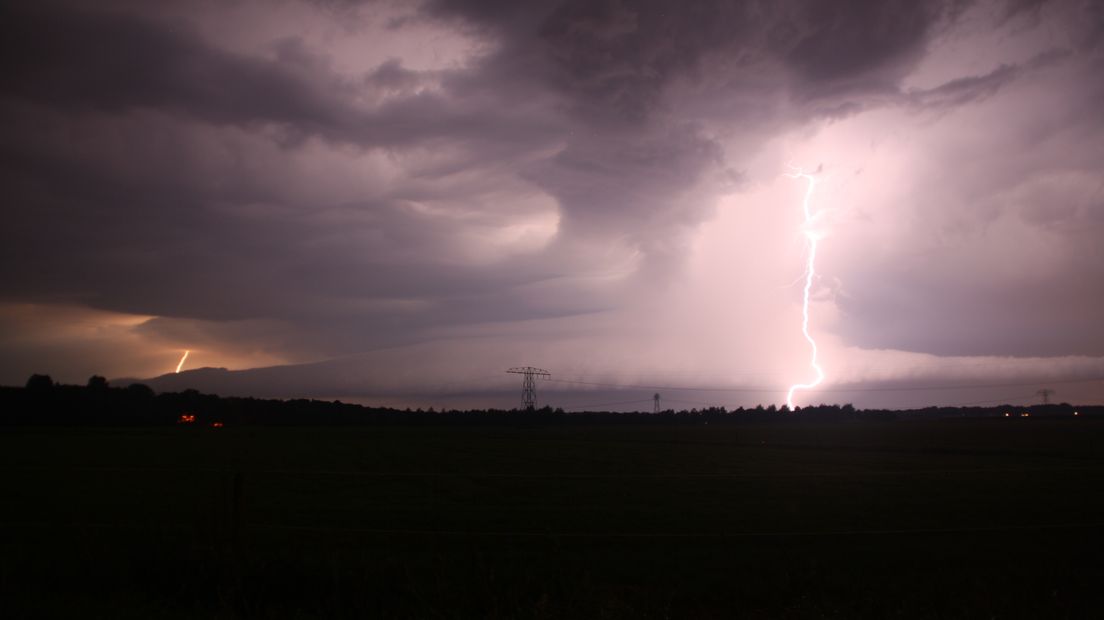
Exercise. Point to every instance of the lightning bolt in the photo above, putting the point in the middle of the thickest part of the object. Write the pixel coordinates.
(810, 272)
(181, 364)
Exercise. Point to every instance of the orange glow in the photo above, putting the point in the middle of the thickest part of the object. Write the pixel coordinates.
(216, 424)
(186, 418)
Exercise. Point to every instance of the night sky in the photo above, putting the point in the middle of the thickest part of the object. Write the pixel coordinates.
(394, 202)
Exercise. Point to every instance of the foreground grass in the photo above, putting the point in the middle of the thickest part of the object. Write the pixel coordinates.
(938, 518)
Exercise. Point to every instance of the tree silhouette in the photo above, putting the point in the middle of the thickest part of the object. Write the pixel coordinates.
(40, 383)
(143, 392)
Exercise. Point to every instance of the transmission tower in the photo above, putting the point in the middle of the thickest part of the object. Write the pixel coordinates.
(529, 384)
(1046, 394)
(656, 399)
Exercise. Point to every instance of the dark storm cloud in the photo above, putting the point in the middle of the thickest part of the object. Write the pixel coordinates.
(609, 63)
(79, 59)
(635, 164)
(152, 232)
(617, 57)
(837, 41)
(159, 239)
(88, 60)
(152, 168)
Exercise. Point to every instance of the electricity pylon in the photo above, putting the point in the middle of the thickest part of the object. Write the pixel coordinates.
(1045, 393)
(529, 384)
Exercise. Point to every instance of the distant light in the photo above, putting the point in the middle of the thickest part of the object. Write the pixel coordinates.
(1006, 414)
(216, 424)
(186, 418)
(1076, 413)
(1025, 415)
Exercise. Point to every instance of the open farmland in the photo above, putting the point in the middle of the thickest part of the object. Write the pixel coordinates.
(925, 518)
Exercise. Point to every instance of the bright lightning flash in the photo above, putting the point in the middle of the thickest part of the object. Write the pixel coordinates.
(810, 272)
(181, 364)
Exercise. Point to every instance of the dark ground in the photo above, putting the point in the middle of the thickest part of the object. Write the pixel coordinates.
(966, 518)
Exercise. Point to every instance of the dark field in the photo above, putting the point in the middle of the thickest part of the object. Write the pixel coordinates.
(971, 518)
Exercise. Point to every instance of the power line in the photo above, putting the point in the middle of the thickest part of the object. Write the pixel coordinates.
(1003, 400)
(964, 387)
(831, 390)
(623, 402)
(664, 387)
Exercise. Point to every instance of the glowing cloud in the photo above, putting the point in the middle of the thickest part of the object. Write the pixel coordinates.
(810, 272)
(181, 364)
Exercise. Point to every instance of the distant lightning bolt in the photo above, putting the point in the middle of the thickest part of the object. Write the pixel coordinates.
(181, 364)
(810, 272)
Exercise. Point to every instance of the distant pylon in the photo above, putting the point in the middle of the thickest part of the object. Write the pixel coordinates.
(656, 399)
(529, 384)
(1045, 393)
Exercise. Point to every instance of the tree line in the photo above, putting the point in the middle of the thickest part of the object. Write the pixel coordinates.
(42, 402)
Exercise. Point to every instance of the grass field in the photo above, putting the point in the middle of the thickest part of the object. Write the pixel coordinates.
(971, 518)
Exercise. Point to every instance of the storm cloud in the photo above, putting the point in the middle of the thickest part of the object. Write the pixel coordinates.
(592, 185)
